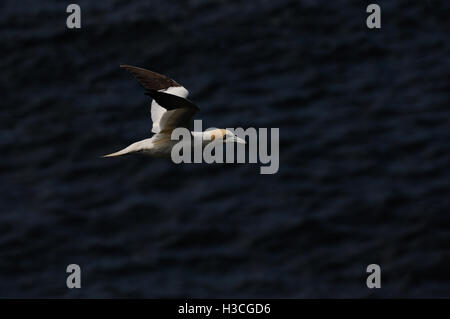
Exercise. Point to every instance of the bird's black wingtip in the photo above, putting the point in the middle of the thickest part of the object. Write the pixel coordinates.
(126, 66)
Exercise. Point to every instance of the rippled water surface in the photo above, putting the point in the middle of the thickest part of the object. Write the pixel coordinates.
(364, 150)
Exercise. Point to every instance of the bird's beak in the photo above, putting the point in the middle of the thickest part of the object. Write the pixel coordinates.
(239, 140)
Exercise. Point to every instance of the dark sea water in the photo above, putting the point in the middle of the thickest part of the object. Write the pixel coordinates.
(364, 171)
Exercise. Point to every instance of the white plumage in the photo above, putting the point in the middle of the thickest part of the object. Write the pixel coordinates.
(170, 109)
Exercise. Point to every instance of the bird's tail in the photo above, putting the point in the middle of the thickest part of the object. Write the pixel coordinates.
(133, 148)
(119, 153)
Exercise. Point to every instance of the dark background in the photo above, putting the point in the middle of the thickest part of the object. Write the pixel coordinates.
(364, 150)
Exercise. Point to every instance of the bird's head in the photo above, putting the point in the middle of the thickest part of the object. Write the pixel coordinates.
(225, 135)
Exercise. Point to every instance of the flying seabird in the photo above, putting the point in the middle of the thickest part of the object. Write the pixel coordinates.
(170, 109)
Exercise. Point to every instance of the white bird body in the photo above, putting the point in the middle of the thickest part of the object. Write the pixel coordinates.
(169, 109)
(160, 144)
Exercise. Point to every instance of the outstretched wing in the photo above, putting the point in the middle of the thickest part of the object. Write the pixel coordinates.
(165, 115)
(179, 110)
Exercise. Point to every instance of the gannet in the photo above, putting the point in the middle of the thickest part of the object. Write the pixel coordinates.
(170, 109)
